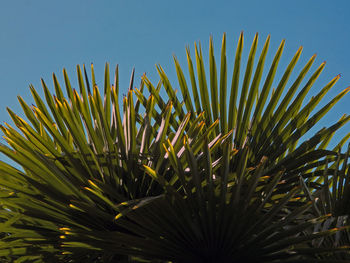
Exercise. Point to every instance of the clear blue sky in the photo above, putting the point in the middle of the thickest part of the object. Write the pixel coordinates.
(39, 37)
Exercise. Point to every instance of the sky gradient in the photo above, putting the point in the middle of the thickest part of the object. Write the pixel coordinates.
(40, 37)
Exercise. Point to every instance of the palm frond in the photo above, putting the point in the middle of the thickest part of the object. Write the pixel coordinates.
(181, 177)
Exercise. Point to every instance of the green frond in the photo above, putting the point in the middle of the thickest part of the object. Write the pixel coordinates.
(214, 173)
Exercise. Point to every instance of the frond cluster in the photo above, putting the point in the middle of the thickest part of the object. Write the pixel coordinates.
(219, 172)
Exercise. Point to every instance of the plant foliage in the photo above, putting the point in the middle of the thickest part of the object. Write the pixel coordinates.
(219, 172)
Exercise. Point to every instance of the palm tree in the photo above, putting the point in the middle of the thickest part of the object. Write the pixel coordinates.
(194, 177)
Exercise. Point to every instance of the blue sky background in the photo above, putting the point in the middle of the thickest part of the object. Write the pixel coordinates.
(39, 37)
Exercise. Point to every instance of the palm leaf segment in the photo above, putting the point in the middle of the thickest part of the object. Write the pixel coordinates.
(115, 182)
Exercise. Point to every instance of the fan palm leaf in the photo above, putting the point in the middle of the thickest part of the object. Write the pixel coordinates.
(266, 125)
(78, 162)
